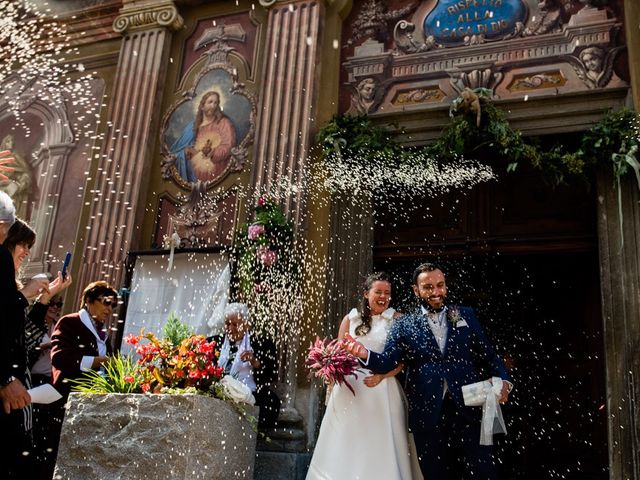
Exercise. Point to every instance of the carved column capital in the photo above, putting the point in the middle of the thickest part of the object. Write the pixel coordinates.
(136, 15)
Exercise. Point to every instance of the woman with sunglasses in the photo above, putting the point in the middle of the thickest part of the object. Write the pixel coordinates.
(80, 343)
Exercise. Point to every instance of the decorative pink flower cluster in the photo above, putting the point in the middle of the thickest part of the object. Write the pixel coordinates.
(331, 363)
(255, 231)
(192, 363)
(266, 256)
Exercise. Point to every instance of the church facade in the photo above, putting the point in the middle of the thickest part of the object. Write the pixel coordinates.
(205, 103)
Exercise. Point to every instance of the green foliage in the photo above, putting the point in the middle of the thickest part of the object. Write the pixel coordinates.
(262, 247)
(120, 376)
(355, 135)
(175, 331)
(614, 140)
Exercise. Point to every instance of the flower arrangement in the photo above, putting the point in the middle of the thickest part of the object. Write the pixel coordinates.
(179, 362)
(331, 363)
(183, 361)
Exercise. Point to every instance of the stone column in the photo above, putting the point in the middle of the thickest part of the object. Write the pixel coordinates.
(119, 191)
(288, 103)
(619, 239)
(284, 132)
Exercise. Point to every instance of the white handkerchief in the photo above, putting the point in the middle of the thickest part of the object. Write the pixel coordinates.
(44, 394)
(461, 323)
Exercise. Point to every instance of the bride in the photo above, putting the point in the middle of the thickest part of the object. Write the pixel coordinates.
(364, 436)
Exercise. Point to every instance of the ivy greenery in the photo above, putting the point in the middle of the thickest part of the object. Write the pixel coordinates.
(614, 139)
(262, 247)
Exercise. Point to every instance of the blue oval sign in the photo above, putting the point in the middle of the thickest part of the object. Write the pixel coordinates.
(451, 21)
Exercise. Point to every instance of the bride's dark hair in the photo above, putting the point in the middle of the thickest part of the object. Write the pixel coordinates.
(365, 308)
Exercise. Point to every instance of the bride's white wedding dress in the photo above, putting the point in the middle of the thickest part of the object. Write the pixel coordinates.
(364, 436)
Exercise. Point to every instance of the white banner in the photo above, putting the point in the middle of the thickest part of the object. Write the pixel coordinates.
(196, 289)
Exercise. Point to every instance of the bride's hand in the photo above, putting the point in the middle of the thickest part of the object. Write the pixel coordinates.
(373, 380)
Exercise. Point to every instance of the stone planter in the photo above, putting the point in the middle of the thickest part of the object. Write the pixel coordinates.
(154, 437)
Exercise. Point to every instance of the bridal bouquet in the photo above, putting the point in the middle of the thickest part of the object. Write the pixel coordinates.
(328, 361)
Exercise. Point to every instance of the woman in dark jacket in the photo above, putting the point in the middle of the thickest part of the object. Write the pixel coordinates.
(15, 414)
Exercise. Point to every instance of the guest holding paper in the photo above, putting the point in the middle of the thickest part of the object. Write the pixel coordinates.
(251, 359)
(443, 348)
(15, 410)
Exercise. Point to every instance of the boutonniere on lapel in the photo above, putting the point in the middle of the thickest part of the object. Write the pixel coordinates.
(454, 317)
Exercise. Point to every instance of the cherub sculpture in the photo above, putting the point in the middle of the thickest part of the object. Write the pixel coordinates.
(594, 65)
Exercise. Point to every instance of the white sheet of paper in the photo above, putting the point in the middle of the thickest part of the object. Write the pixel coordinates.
(44, 394)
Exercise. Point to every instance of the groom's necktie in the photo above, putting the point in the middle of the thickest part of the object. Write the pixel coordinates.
(438, 327)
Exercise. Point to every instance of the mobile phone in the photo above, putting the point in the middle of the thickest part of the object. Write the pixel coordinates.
(65, 265)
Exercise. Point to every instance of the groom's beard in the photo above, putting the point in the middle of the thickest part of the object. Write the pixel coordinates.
(429, 308)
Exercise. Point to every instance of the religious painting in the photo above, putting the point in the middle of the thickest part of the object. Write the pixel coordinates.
(21, 186)
(206, 134)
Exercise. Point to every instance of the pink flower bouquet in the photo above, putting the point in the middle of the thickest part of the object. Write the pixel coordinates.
(331, 363)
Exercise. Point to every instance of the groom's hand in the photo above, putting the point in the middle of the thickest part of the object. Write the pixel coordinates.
(354, 347)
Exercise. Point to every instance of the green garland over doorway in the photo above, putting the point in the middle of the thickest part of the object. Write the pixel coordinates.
(478, 127)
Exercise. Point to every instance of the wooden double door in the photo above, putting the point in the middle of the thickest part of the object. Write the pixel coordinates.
(524, 254)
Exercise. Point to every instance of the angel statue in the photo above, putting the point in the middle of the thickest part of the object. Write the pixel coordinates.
(595, 66)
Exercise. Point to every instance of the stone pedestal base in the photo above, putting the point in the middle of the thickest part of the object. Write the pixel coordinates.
(154, 437)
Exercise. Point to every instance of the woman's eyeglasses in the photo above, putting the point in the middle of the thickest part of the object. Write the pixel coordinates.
(55, 304)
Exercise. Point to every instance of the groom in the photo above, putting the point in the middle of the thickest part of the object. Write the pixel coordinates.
(443, 348)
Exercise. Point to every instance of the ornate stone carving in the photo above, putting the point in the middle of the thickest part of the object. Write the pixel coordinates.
(196, 218)
(363, 97)
(537, 81)
(218, 37)
(480, 78)
(405, 41)
(373, 21)
(418, 95)
(548, 18)
(140, 16)
(594, 65)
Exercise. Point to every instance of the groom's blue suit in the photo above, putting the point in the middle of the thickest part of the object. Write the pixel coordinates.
(468, 358)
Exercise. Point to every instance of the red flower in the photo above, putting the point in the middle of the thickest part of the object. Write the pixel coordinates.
(129, 378)
(132, 339)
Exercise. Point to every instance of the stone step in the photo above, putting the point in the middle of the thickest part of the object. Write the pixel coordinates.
(281, 465)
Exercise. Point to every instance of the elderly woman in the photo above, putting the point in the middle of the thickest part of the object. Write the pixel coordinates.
(251, 359)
